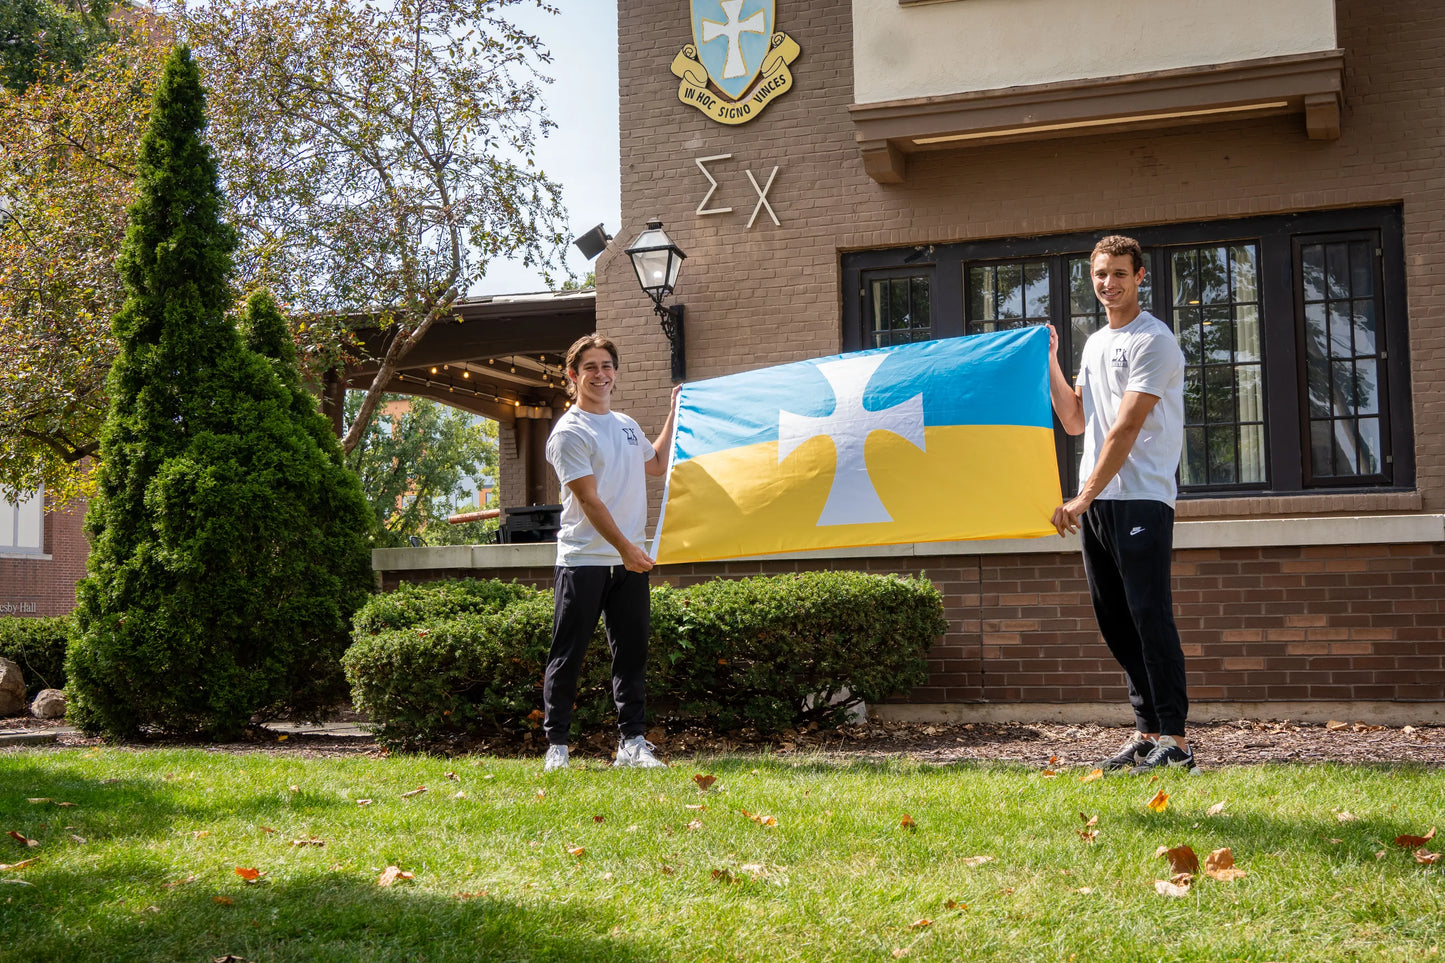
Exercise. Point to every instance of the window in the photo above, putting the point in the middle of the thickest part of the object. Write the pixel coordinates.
(898, 308)
(22, 523)
(1293, 331)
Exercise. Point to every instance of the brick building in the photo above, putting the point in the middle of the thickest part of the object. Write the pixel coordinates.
(943, 168)
(42, 555)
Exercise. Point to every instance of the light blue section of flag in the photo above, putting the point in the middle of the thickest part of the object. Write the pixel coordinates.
(1000, 378)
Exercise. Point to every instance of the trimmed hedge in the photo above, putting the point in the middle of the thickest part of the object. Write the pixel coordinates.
(440, 661)
(38, 647)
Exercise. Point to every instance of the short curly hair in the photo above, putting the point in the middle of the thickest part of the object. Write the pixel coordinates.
(1117, 245)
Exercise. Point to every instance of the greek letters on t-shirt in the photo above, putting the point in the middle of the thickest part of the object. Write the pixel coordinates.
(1120, 357)
(631, 434)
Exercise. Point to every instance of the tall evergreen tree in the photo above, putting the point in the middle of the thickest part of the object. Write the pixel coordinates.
(228, 545)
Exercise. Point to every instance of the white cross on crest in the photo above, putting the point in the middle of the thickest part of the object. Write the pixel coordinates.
(733, 29)
(852, 500)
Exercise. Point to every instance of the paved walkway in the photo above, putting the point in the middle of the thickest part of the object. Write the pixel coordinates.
(330, 730)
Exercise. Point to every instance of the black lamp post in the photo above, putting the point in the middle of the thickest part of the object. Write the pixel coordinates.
(656, 259)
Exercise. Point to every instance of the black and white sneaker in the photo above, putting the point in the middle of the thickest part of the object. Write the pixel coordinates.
(1166, 755)
(1131, 754)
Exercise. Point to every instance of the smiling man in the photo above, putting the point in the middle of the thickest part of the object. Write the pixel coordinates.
(1129, 405)
(601, 458)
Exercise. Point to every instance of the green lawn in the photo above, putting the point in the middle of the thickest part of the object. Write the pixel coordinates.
(143, 865)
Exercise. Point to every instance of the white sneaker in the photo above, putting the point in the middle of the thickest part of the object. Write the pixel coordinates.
(556, 759)
(637, 752)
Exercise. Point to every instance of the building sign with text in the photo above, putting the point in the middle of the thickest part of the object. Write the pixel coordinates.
(736, 64)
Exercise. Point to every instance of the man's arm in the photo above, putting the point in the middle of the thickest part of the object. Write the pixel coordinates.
(657, 464)
(1067, 403)
(1133, 410)
(584, 489)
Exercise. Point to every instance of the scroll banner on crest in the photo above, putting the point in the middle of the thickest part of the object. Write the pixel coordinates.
(938, 441)
(775, 79)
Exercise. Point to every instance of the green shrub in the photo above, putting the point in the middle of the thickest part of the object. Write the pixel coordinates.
(38, 647)
(445, 660)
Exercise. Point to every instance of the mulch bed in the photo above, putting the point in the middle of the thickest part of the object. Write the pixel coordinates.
(1043, 745)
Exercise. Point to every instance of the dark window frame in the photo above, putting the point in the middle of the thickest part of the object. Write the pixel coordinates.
(1281, 310)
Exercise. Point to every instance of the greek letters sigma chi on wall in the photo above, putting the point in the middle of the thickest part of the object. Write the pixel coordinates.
(736, 64)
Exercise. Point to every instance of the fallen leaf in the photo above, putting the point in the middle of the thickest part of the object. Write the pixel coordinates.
(955, 904)
(666, 870)
(363, 802)
(541, 794)
(1166, 887)
(1089, 821)
(607, 876)
(1181, 858)
(704, 782)
(1160, 802)
(907, 822)
(1087, 835)
(78, 839)
(282, 738)
(920, 924)
(1048, 774)
(200, 834)
(535, 717)
(415, 792)
(724, 876)
(1409, 842)
(754, 870)
(695, 824)
(577, 851)
(1220, 865)
(1426, 858)
(1333, 841)
(1345, 816)
(308, 842)
(38, 799)
(65, 805)
(1092, 775)
(1053, 760)
(221, 900)
(229, 957)
(1335, 726)
(1085, 890)
(249, 875)
(477, 895)
(695, 807)
(180, 882)
(900, 953)
(391, 874)
(460, 794)
(452, 776)
(760, 819)
(1408, 729)
(976, 860)
(20, 865)
(21, 838)
(598, 819)
(1216, 809)
(294, 788)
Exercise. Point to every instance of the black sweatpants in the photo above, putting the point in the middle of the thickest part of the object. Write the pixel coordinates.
(1128, 546)
(582, 593)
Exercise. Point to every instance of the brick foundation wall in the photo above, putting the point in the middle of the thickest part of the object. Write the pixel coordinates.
(1340, 623)
(45, 584)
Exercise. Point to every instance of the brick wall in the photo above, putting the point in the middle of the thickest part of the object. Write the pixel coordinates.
(1341, 623)
(768, 295)
(47, 582)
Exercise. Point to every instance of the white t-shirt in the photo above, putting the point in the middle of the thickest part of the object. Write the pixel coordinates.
(1144, 356)
(612, 448)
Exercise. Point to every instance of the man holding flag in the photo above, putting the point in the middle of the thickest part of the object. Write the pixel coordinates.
(1129, 405)
(601, 458)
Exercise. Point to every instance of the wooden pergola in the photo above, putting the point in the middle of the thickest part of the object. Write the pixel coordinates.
(497, 356)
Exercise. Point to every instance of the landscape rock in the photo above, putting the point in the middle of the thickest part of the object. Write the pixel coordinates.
(12, 689)
(49, 704)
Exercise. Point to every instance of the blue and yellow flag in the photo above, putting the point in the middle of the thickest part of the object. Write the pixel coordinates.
(931, 442)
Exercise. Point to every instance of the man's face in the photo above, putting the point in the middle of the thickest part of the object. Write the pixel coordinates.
(1116, 283)
(594, 377)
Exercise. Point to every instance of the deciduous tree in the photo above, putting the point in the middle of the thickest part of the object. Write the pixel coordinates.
(380, 156)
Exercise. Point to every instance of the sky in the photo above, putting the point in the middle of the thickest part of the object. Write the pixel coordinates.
(582, 151)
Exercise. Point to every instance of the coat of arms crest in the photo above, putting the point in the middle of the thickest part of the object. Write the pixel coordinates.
(737, 64)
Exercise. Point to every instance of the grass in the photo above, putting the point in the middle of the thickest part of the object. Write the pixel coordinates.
(142, 867)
